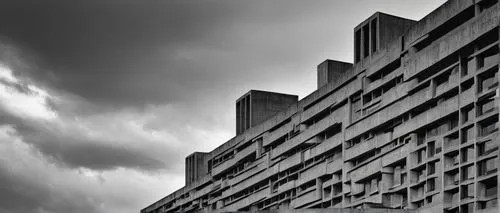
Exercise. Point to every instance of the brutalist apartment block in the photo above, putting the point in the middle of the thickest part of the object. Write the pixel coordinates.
(412, 124)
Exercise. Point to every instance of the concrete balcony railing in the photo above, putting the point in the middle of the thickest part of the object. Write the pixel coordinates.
(254, 168)
(311, 173)
(276, 134)
(334, 165)
(302, 137)
(326, 145)
(322, 105)
(453, 41)
(366, 146)
(306, 198)
(379, 82)
(286, 186)
(216, 170)
(445, 87)
(366, 170)
(388, 113)
(248, 200)
(290, 161)
(395, 155)
(435, 19)
(251, 181)
(443, 109)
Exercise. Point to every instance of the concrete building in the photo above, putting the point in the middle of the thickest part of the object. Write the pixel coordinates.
(412, 124)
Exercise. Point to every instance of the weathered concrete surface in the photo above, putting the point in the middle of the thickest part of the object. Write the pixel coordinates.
(407, 126)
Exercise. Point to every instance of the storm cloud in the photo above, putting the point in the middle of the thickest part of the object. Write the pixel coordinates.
(100, 101)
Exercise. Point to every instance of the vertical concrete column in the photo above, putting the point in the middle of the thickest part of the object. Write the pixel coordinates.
(258, 146)
(386, 182)
(319, 188)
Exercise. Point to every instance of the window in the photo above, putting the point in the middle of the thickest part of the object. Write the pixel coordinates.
(429, 199)
(488, 127)
(467, 208)
(431, 184)
(431, 169)
(485, 4)
(467, 114)
(487, 167)
(487, 147)
(488, 58)
(467, 173)
(432, 131)
(467, 154)
(471, 65)
(486, 106)
(420, 155)
(491, 190)
(488, 81)
(467, 134)
(453, 123)
(431, 149)
(467, 191)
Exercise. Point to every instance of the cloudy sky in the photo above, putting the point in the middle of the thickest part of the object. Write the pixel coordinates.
(100, 101)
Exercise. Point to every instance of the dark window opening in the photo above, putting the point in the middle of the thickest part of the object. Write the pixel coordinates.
(374, 34)
(357, 45)
(366, 40)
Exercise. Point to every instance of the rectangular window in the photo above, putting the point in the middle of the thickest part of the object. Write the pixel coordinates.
(467, 154)
(486, 106)
(488, 58)
(431, 169)
(471, 66)
(431, 185)
(467, 173)
(487, 147)
(488, 81)
(487, 128)
(431, 149)
(468, 191)
(487, 167)
(467, 114)
(467, 134)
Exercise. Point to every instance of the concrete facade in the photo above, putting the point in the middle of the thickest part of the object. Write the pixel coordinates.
(412, 124)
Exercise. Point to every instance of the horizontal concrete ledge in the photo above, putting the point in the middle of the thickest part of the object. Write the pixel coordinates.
(327, 210)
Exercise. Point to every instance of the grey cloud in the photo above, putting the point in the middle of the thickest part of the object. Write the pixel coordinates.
(22, 196)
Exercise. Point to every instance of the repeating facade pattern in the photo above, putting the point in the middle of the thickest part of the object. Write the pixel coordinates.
(412, 124)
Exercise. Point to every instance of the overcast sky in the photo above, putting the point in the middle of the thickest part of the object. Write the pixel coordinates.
(100, 101)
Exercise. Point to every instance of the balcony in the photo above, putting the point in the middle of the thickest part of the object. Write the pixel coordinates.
(311, 173)
(286, 186)
(216, 170)
(334, 166)
(276, 134)
(371, 168)
(366, 146)
(306, 198)
(452, 41)
(290, 161)
(259, 166)
(248, 200)
(326, 145)
(302, 137)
